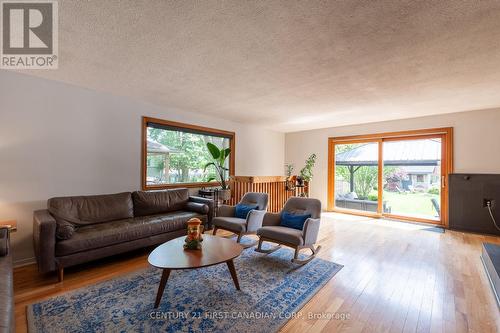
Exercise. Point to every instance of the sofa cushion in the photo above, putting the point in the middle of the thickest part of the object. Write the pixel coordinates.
(84, 210)
(64, 229)
(157, 202)
(283, 234)
(106, 234)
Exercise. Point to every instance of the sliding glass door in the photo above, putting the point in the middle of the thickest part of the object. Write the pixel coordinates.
(356, 176)
(397, 175)
(412, 178)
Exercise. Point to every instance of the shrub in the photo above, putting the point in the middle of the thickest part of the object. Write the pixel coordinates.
(394, 178)
(372, 197)
(433, 190)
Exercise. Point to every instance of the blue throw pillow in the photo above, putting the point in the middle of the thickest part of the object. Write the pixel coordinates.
(295, 221)
(241, 210)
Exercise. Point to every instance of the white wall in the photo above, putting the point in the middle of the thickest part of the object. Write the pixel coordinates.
(476, 143)
(58, 140)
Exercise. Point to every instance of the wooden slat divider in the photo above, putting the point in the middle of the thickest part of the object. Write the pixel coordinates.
(275, 186)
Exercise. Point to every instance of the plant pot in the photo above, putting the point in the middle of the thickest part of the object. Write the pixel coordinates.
(300, 181)
(224, 195)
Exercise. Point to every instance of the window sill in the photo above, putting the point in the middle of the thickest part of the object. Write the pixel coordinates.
(179, 185)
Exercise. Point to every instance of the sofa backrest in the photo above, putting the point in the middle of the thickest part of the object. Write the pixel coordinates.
(83, 210)
(157, 202)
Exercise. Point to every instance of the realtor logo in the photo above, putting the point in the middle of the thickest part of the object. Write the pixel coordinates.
(29, 35)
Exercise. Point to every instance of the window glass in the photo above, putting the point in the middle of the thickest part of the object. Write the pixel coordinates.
(178, 156)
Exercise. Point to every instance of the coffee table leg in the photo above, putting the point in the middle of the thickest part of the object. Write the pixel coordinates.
(163, 282)
(230, 265)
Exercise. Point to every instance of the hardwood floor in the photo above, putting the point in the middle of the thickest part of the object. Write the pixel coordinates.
(396, 278)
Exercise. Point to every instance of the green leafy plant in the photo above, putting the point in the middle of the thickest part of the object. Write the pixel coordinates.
(306, 172)
(288, 170)
(190, 156)
(433, 190)
(219, 156)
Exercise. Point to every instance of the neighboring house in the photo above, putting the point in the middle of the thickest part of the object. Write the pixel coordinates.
(421, 177)
(158, 162)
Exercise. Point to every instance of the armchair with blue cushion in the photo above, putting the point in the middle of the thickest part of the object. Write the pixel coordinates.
(243, 219)
(296, 226)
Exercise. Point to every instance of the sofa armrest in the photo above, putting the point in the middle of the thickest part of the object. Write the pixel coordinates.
(271, 219)
(7, 321)
(311, 231)
(226, 211)
(197, 207)
(4, 241)
(44, 240)
(254, 219)
(209, 203)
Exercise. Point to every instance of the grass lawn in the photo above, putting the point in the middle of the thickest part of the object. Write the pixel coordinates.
(414, 204)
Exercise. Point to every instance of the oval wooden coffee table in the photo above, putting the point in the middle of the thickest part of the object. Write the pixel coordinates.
(172, 256)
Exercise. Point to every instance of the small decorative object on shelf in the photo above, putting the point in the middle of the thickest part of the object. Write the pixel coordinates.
(194, 235)
(290, 180)
(290, 183)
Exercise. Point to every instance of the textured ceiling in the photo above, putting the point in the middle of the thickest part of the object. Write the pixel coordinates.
(286, 65)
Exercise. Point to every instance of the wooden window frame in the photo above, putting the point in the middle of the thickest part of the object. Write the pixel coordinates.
(445, 133)
(191, 128)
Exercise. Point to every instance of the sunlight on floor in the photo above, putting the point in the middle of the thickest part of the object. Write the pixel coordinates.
(379, 222)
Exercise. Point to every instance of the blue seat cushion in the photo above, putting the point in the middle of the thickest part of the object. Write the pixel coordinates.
(241, 211)
(295, 221)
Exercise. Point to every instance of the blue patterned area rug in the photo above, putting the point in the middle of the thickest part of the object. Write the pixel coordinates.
(273, 290)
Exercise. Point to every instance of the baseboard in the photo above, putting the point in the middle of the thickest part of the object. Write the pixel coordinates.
(24, 262)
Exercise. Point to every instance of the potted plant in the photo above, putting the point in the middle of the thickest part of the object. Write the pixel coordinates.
(306, 174)
(219, 156)
(290, 181)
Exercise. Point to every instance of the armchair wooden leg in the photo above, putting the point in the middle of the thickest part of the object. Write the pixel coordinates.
(252, 244)
(245, 246)
(296, 254)
(60, 274)
(259, 246)
(314, 250)
(261, 250)
(215, 231)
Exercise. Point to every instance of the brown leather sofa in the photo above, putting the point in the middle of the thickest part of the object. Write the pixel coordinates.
(74, 230)
(6, 283)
